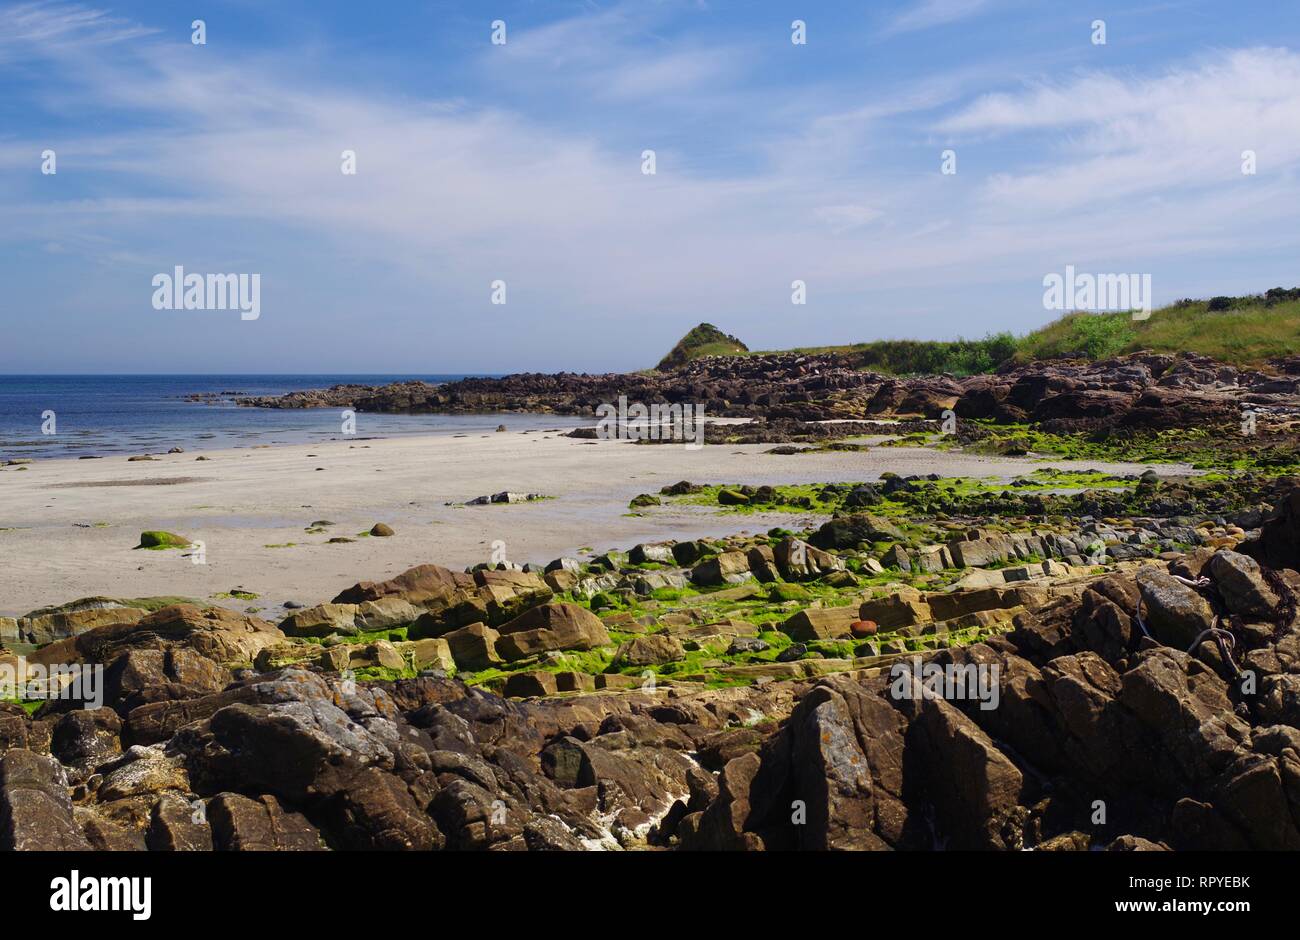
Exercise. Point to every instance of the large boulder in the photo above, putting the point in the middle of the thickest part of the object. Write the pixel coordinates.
(66, 620)
(213, 632)
(492, 597)
(321, 621)
(799, 561)
(550, 627)
(652, 650)
(726, 568)
(1242, 584)
(35, 810)
(821, 623)
(417, 586)
(1278, 542)
(473, 647)
(1174, 613)
(904, 608)
(848, 531)
(241, 824)
(385, 613)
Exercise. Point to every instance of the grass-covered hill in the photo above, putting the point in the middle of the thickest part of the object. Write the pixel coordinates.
(1243, 331)
(703, 340)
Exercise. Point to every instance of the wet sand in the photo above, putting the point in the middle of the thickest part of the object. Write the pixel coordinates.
(68, 527)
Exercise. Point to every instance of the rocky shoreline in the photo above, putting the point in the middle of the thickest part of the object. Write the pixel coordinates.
(733, 694)
(1066, 660)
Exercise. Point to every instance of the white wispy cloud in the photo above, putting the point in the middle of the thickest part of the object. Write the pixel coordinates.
(1126, 138)
(927, 14)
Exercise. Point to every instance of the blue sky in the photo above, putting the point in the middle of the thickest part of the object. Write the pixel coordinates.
(522, 162)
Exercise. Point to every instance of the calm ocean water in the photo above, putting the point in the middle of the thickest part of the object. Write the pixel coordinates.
(134, 414)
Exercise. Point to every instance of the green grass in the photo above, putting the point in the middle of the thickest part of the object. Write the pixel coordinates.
(1248, 331)
(1242, 331)
(917, 357)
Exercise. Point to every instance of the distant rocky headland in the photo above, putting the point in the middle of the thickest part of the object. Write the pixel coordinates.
(1141, 390)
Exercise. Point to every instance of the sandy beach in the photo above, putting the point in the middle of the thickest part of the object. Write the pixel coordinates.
(68, 527)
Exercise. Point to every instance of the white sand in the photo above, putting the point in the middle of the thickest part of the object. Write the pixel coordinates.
(240, 501)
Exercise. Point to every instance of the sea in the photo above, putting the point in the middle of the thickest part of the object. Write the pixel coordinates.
(43, 416)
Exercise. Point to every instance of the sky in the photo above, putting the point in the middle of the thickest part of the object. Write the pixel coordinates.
(522, 162)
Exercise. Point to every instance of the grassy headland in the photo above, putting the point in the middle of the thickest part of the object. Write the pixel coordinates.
(1241, 331)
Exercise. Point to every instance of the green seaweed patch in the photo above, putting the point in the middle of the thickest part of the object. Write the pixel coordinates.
(153, 604)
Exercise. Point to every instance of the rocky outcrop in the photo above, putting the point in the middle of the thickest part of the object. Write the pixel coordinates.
(550, 627)
(1139, 391)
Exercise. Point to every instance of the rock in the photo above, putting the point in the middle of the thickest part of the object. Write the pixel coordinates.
(797, 560)
(861, 629)
(321, 621)
(652, 650)
(55, 623)
(530, 684)
(820, 623)
(569, 681)
(560, 581)
(419, 586)
(722, 825)
(142, 771)
(904, 608)
(289, 737)
(473, 647)
(107, 835)
(793, 652)
(726, 568)
(381, 530)
(214, 633)
(491, 597)
(86, 737)
(550, 835)
(550, 627)
(1174, 613)
(429, 653)
(1242, 584)
(376, 812)
(746, 644)
(647, 552)
(1278, 542)
(177, 825)
(240, 824)
(975, 787)
(385, 613)
(161, 540)
(35, 811)
(848, 531)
